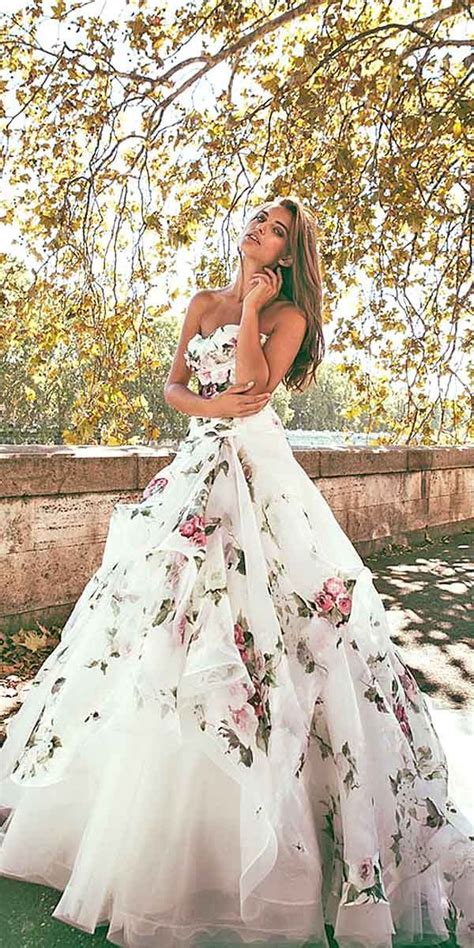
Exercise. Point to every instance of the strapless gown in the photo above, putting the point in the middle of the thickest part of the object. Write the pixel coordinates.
(226, 746)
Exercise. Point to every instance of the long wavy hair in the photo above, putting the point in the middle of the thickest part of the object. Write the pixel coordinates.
(303, 285)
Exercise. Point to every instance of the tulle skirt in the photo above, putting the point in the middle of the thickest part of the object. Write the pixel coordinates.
(226, 746)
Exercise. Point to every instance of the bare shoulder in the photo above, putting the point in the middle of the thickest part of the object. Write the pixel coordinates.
(200, 300)
(197, 306)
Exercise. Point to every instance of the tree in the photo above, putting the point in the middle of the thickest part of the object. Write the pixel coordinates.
(118, 153)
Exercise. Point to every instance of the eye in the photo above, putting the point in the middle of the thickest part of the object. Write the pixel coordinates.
(277, 230)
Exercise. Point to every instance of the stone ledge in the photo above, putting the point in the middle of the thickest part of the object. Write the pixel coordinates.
(30, 470)
(56, 502)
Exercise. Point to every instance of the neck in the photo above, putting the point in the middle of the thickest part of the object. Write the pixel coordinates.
(240, 285)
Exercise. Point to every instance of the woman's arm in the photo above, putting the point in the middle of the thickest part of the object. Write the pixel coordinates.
(282, 347)
(176, 391)
(250, 361)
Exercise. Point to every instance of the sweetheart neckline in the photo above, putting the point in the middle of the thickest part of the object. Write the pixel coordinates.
(222, 326)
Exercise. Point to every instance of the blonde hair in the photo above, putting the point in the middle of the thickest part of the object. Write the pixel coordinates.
(303, 285)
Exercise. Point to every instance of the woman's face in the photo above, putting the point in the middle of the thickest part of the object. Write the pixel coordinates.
(265, 237)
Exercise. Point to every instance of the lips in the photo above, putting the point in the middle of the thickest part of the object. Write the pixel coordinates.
(253, 237)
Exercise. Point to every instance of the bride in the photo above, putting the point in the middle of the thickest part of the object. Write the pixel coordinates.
(226, 746)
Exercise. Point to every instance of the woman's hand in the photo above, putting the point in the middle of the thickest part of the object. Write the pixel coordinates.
(265, 285)
(235, 403)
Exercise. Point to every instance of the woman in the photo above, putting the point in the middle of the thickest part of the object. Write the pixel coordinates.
(226, 745)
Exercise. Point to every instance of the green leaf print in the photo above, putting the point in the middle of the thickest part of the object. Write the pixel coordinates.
(435, 818)
(350, 778)
(395, 847)
(305, 656)
(98, 663)
(376, 697)
(241, 568)
(303, 609)
(451, 921)
(143, 511)
(265, 525)
(300, 766)
(57, 685)
(164, 611)
(264, 730)
(246, 756)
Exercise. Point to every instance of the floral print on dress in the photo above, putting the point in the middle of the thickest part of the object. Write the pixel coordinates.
(156, 485)
(232, 619)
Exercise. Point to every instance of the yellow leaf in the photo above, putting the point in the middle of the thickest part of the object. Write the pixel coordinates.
(59, 9)
(33, 641)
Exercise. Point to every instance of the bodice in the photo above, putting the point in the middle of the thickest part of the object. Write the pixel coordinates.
(212, 358)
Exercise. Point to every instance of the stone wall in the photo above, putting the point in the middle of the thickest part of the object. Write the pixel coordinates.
(55, 505)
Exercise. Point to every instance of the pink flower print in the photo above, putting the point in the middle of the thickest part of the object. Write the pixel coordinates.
(344, 604)
(244, 655)
(193, 528)
(366, 872)
(408, 684)
(334, 586)
(259, 710)
(402, 718)
(181, 627)
(324, 601)
(261, 689)
(239, 637)
(238, 692)
(220, 374)
(176, 568)
(247, 470)
(156, 484)
(259, 663)
(242, 718)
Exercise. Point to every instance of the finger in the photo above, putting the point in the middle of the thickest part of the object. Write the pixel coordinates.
(240, 386)
(271, 273)
(251, 399)
(260, 403)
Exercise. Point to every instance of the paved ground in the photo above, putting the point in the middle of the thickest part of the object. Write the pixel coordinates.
(428, 591)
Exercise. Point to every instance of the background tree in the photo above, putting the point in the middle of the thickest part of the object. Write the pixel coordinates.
(119, 153)
(43, 396)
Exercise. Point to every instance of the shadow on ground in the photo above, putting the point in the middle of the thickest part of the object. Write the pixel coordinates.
(427, 592)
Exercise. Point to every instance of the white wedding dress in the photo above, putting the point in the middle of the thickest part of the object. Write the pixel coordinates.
(225, 746)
